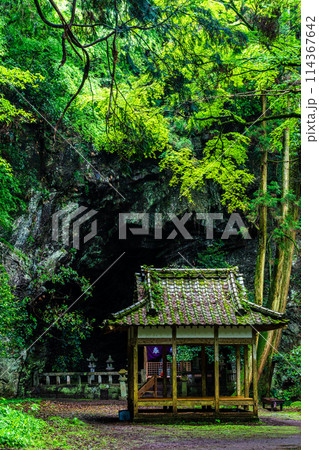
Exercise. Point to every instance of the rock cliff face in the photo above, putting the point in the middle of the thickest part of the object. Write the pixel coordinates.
(110, 187)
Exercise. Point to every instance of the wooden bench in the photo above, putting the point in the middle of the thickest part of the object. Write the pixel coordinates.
(273, 402)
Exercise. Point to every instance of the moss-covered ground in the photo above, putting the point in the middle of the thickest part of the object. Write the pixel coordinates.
(74, 425)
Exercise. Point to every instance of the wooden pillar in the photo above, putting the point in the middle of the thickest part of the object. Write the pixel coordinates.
(144, 370)
(255, 379)
(164, 371)
(204, 373)
(238, 386)
(145, 360)
(216, 368)
(130, 372)
(174, 370)
(246, 375)
(135, 372)
(155, 386)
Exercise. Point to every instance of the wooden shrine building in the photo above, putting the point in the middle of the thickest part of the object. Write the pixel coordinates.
(201, 307)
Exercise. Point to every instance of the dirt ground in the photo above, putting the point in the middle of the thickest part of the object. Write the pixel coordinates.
(276, 430)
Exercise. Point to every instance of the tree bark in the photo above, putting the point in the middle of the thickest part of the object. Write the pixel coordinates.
(290, 247)
(262, 235)
(277, 299)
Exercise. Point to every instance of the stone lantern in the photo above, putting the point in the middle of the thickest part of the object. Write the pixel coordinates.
(110, 368)
(91, 360)
(123, 379)
(109, 364)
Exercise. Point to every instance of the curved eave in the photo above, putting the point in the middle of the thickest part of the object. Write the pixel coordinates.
(111, 328)
(268, 327)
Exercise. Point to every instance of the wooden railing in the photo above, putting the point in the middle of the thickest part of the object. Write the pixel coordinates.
(156, 368)
(148, 385)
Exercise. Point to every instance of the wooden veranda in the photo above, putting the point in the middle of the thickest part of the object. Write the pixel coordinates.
(137, 403)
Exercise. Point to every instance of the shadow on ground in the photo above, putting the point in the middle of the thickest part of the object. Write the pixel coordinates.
(276, 430)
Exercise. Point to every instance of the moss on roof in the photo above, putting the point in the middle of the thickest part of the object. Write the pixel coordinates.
(194, 297)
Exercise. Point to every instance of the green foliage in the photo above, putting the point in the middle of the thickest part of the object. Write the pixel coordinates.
(70, 326)
(11, 113)
(15, 78)
(274, 199)
(71, 329)
(22, 320)
(61, 278)
(287, 378)
(296, 405)
(16, 324)
(136, 128)
(76, 421)
(9, 190)
(213, 257)
(222, 156)
(185, 353)
(18, 429)
(228, 354)
(189, 352)
(186, 85)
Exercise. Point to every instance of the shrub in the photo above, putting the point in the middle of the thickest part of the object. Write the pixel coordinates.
(287, 379)
(18, 429)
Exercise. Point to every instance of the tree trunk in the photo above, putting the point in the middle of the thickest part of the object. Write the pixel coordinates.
(262, 232)
(262, 235)
(277, 299)
(290, 247)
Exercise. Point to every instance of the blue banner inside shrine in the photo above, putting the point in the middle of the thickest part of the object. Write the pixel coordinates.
(156, 352)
